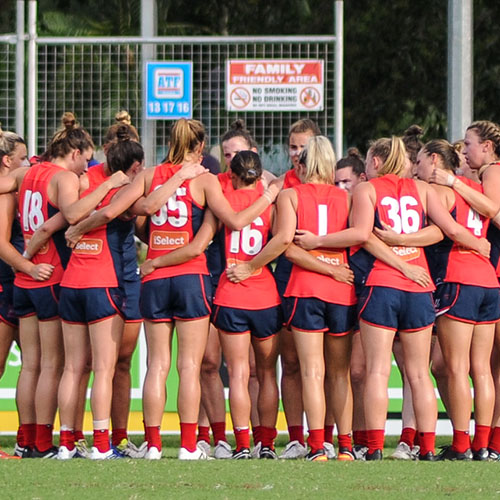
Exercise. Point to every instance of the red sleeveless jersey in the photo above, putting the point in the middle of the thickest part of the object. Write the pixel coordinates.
(96, 176)
(94, 260)
(174, 226)
(225, 182)
(259, 290)
(399, 205)
(321, 209)
(467, 266)
(227, 185)
(34, 209)
(291, 179)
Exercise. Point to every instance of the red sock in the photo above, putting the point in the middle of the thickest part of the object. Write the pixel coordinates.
(296, 433)
(67, 438)
(408, 436)
(219, 431)
(20, 435)
(359, 438)
(203, 433)
(461, 441)
(481, 435)
(188, 436)
(152, 436)
(416, 442)
(257, 434)
(43, 440)
(364, 437)
(268, 435)
(316, 439)
(329, 433)
(494, 443)
(427, 442)
(356, 437)
(101, 439)
(30, 435)
(242, 438)
(375, 439)
(79, 436)
(118, 435)
(345, 441)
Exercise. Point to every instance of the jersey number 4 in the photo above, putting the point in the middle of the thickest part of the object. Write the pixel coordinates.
(474, 222)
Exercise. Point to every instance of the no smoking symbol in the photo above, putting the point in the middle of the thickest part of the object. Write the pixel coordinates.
(240, 97)
(309, 97)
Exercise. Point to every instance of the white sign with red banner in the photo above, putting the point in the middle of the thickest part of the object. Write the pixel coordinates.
(274, 85)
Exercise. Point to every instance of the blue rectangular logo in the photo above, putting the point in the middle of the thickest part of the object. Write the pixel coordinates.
(169, 90)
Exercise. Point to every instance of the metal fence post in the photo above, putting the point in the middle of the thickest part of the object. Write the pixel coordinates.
(339, 77)
(20, 69)
(148, 30)
(32, 79)
(460, 67)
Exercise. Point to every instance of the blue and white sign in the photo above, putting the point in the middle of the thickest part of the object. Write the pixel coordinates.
(169, 90)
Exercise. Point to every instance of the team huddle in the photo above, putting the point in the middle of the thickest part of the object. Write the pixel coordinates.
(328, 269)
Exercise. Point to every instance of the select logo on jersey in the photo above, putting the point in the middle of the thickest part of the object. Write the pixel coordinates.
(42, 250)
(233, 262)
(88, 247)
(407, 253)
(168, 240)
(328, 257)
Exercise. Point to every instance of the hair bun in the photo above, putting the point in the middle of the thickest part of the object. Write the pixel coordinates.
(123, 116)
(68, 120)
(122, 133)
(353, 152)
(413, 130)
(238, 125)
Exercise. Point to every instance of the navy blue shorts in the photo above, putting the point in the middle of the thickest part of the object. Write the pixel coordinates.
(281, 286)
(468, 303)
(281, 275)
(42, 302)
(395, 309)
(185, 297)
(89, 305)
(130, 308)
(7, 315)
(216, 261)
(314, 315)
(260, 323)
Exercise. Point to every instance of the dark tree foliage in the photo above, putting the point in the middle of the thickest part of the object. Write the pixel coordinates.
(395, 68)
(486, 60)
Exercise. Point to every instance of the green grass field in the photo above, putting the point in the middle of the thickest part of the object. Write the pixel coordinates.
(171, 478)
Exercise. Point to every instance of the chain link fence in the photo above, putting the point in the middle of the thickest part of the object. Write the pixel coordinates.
(95, 79)
(7, 84)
